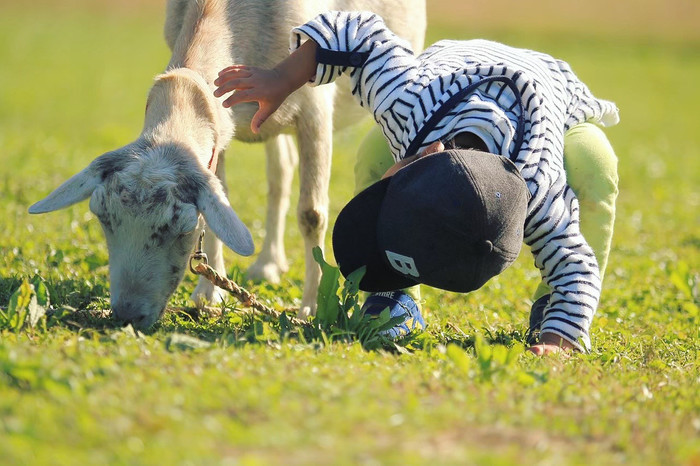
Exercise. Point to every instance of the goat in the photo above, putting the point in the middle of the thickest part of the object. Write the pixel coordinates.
(153, 195)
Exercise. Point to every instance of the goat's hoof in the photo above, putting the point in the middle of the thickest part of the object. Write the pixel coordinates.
(269, 272)
(207, 295)
(305, 312)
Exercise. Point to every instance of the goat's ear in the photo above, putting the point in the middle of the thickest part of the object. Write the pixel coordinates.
(224, 222)
(80, 186)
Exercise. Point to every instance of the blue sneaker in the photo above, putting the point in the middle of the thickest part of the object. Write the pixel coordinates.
(399, 304)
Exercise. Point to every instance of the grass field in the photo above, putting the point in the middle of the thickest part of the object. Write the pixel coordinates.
(235, 389)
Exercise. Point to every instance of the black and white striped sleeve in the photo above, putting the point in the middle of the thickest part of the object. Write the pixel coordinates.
(349, 33)
(567, 263)
(342, 37)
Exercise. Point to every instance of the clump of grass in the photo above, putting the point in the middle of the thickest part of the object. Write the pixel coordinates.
(339, 316)
(27, 307)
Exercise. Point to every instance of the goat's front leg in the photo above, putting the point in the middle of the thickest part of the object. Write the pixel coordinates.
(206, 293)
(282, 159)
(314, 131)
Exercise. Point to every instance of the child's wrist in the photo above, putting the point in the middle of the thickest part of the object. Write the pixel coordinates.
(285, 80)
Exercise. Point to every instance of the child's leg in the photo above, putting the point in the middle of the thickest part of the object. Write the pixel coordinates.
(373, 160)
(591, 171)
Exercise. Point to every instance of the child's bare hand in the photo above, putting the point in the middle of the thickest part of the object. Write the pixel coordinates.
(269, 88)
(250, 84)
(551, 344)
(437, 146)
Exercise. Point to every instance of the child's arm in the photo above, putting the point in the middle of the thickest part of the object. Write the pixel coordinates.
(269, 88)
(333, 44)
(568, 266)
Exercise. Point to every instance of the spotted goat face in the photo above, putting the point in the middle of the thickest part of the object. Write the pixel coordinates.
(150, 202)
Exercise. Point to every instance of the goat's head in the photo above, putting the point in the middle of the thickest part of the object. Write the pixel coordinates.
(149, 201)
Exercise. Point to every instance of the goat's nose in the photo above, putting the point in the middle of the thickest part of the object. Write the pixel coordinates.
(129, 313)
(137, 322)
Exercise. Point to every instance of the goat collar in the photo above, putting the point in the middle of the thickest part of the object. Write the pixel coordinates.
(214, 160)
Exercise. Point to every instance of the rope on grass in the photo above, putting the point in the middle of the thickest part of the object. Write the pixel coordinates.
(246, 298)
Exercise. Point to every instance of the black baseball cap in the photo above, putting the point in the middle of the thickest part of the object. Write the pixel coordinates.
(450, 220)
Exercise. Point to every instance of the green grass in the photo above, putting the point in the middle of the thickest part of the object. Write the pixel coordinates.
(79, 390)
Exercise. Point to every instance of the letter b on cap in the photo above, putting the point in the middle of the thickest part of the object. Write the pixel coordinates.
(403, 264)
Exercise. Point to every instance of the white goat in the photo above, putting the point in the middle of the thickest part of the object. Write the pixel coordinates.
(149, 194)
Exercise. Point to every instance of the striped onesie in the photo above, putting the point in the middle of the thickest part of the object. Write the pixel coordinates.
(403, 90)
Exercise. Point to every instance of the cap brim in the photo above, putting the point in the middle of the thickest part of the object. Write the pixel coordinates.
(355, 241)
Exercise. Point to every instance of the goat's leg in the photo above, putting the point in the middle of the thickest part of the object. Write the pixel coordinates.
(314, 131)
(282, 159)
(206, 293)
